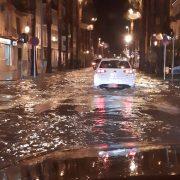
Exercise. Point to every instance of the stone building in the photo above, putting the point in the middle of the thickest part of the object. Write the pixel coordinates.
(12, 52)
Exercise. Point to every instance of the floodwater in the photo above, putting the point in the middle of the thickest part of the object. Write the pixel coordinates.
(64, 111)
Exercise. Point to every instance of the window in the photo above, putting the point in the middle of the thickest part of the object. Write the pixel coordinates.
(114, 64)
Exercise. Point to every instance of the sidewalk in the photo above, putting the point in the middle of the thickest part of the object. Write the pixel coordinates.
(9, 76)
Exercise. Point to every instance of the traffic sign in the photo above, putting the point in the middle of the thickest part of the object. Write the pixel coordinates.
(34, 41)
(165, 40)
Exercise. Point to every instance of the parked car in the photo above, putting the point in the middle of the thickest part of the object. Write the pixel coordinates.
(95, 63)
(114, 73)
(176, 70)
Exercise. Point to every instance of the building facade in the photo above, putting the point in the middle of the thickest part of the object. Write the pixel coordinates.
(71, 37)
(155, 20)
(175, 25)
(12, 52)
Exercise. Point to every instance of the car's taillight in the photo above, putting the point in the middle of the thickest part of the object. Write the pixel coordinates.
(101, 70)
(128, 71)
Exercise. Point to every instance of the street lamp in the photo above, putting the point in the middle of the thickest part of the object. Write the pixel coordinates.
(94, 19)
(90, 29)
(80, 1)
(127, 28)
(54, 39)
(133, 15)
(155, 43)
(27, 29)
(128, 38)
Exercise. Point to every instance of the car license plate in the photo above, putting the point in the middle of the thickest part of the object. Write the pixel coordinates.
(113, 85)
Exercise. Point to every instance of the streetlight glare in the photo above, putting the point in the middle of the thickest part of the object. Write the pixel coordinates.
(27, 29)
(155, 43)
(90, 27)
(130, 11)
(94, 19)
(80, 1)
(128, 38)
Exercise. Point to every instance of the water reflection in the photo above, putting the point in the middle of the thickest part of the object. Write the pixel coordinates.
(110, 163)
(64, 111)
(113, 103)
(114, 116)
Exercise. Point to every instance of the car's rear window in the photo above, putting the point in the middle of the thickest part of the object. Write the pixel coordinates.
(114, 64)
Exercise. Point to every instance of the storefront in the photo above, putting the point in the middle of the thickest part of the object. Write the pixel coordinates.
(5, 52)
(7, 58)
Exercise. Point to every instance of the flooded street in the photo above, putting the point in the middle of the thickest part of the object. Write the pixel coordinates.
(64, 111)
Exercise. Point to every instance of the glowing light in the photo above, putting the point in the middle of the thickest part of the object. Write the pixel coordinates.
(130, 11)
(99, 56)
(62, 173)
(132, 153)
(159, 36)
(27, 29)
(94, 19)
(155, 43)
(133, 15)
(90, 27)
(132, 166)
(54, 39)
(80, 1)
(128, 38)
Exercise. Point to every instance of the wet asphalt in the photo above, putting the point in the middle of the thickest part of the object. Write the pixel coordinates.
(64, 111)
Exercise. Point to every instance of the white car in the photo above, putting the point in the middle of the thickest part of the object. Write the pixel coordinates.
(114, 73)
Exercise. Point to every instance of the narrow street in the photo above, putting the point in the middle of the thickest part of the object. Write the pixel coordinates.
(64, 111)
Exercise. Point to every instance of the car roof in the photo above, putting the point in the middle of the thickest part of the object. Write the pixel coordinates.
(114, 59)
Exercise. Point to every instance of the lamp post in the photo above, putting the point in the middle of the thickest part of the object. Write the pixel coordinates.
(86, 53)
(133, 15)
(127, 28)
(128, 39)
(90, 29)
(94, 19)
(27, 29)
(172, 67)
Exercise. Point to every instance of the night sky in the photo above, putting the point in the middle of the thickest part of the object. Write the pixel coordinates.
(111, 22)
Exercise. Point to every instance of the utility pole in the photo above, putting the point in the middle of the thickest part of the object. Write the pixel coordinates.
(78, 6)
(49, 23)
(59, 33)
(33, 50)
(165, 61)
(172, 73)
(67, 33)
(42, 49)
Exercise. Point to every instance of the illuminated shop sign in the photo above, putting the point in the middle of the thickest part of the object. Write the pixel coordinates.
(5, 41)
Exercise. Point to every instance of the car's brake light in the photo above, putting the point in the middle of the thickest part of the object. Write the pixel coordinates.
(101, 70)
(128, 71)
